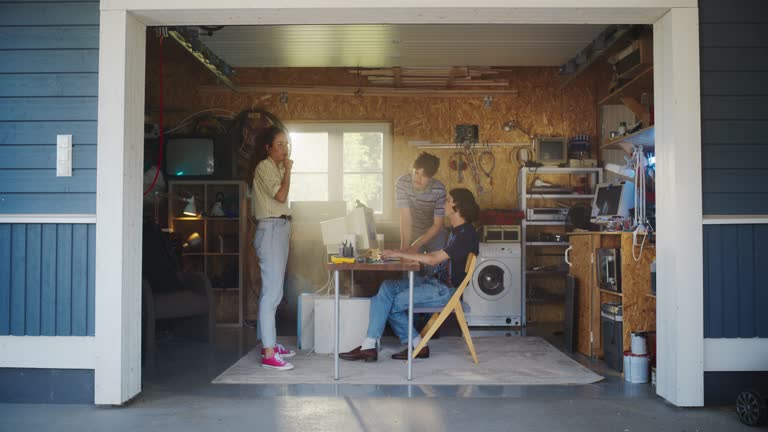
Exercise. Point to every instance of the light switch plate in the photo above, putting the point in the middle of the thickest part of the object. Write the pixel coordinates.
(63, 155)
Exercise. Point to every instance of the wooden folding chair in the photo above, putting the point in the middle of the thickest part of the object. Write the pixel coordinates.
(439, 314)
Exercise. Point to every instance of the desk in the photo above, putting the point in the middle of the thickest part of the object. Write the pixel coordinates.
(409, 266)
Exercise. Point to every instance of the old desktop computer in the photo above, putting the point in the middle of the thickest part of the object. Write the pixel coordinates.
(359, 222)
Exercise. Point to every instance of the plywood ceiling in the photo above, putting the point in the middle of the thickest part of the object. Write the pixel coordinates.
(400, 45)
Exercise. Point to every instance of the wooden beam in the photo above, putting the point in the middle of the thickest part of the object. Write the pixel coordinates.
(360, 91)
(451, 76)
(397, 73)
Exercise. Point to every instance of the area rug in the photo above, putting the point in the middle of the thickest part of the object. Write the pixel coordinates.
(503, 361)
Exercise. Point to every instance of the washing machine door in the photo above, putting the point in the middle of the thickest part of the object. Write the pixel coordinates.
(492, 280)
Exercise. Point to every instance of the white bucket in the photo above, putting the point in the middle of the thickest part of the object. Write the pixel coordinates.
(638, 343)
(635, 368)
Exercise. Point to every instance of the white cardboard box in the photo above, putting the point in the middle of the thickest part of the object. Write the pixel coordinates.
(316, 325)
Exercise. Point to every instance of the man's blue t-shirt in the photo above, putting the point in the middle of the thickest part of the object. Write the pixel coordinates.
(462, 241)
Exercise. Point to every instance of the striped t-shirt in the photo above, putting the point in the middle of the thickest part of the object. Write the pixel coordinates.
(425, 205)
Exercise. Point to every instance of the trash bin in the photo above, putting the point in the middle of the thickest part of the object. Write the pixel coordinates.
(613, 349)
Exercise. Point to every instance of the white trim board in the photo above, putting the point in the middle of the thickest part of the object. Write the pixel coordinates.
(47, 352)
(119, 186)
(679, 245)
(48, 218)
(262, 12)
(735, 219)
(736, 355)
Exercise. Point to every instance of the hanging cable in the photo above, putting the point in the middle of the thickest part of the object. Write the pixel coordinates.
(160, 121)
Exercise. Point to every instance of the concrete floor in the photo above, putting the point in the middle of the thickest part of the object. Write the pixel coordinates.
(178, 396)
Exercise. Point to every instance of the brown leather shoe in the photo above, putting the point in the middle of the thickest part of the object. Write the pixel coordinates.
(367, 355)
(403, 355)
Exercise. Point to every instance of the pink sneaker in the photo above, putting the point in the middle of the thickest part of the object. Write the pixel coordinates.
(276, 362)
(283, 351)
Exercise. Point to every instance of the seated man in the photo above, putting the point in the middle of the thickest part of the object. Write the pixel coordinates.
(391, 302)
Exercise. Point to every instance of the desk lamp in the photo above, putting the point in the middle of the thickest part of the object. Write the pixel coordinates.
(190, 209)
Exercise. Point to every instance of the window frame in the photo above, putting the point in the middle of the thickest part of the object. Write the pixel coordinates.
(336, 131)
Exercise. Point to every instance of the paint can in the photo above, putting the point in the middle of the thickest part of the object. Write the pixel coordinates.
(638, 343)
(635, 368)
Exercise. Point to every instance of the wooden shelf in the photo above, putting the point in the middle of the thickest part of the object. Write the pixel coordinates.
(545, 223)
(611, 292)
(558, 170)
(561, 244)
(642, 83)
(559, 196)
(645, 137)
(211, 254)
(226, 289)
(546, 272)
(200, 218)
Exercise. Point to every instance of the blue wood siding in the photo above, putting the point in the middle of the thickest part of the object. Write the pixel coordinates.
(47, 276)
(734, 106)
(735, 281)
(49, 62)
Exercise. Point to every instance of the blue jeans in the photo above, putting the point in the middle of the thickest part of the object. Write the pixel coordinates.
(271, 243)
(391, 304)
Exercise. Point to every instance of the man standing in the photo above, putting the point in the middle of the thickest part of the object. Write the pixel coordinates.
(391, 302)
(420, 198)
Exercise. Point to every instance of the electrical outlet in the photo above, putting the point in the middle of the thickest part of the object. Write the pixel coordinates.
(63, 155)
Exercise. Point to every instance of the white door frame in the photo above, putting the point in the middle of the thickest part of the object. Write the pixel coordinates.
(120, 154)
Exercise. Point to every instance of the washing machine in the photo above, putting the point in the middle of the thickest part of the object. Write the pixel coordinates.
(494, 297)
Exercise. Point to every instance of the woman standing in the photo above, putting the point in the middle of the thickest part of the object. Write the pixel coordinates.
(271, 181)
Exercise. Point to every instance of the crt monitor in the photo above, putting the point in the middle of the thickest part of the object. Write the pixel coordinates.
(613, 200)
(189, 157)
(358, 222)
(551, 150)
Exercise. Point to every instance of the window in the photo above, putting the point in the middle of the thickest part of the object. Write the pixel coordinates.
(342, 161)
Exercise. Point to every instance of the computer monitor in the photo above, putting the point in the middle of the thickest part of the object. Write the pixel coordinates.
(358, 222)
(551, 150)
(612, 200)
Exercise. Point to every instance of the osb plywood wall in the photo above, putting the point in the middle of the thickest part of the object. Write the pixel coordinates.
(539, 107)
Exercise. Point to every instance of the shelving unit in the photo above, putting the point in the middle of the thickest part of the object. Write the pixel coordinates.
(220, 254)
(645, 137)
(550, 283)
(633, 89)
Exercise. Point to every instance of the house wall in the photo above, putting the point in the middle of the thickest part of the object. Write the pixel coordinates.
(48, 86)
(734, 97)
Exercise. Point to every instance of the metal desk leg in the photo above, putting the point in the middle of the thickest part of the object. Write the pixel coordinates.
(410, 325)
(336, 324)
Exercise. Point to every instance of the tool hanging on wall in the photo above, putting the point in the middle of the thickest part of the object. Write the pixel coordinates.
(472, 162)
(458, 163)
(487, 158)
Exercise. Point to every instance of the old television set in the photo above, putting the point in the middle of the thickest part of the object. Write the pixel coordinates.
(551, 150)
(358, 222)
(612, 200)
(197, 157)
(609, 269)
